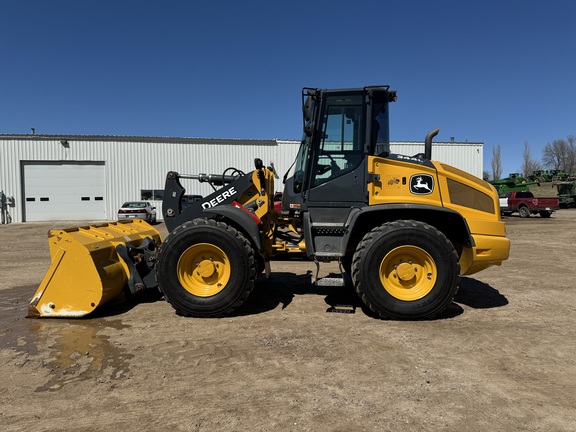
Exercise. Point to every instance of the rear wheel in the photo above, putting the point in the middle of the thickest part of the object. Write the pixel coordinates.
(524, 212)
(406, 270)
(545, 213)
(206, 268)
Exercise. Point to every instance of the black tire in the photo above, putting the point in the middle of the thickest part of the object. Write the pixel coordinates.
(206, 268)
(545, 213)
(406, 270)
(524, 212)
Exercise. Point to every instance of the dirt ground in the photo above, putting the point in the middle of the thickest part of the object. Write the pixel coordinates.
(502, 358)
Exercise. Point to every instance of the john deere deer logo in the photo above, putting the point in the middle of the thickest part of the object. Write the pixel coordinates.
(421, 184)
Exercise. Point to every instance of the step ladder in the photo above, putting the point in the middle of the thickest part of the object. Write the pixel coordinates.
(328, 281)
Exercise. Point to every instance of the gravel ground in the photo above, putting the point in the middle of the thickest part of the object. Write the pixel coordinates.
(500, 359)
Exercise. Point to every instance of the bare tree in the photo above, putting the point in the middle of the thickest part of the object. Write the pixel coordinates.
(560, 155)
(529, 165)
(496, 163)
(486, 175)
(554, 153)
(571, 157)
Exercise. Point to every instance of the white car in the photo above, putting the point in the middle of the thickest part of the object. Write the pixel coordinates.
(137, 210)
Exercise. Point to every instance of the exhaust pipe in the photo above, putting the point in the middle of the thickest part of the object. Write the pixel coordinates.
(428, 143)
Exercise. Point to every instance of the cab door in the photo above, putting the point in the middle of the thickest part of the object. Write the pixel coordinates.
(337, 174)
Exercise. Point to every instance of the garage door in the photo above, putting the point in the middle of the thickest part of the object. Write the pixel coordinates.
(64, 191)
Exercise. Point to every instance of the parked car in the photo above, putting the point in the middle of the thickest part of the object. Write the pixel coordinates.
(137, 210)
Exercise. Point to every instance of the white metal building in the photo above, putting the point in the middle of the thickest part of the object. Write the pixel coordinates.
(84, 177)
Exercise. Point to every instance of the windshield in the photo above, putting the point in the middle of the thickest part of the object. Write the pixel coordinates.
(134, 205)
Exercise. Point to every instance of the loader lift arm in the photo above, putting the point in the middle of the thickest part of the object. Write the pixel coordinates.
(207, 266)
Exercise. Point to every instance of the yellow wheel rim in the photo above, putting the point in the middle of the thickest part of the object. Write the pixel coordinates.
(408, 273)
(203, 270)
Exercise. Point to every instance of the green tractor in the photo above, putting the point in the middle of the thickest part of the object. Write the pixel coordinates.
(558, 175)
(541, 176)
(566, 194)
(549, 175)
(513, 183)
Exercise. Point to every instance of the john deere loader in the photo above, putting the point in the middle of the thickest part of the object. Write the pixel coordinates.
(403, 228)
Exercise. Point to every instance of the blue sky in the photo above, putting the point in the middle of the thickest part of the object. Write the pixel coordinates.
(498, 72)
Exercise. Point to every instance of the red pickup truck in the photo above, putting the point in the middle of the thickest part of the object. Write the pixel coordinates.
(526, 204)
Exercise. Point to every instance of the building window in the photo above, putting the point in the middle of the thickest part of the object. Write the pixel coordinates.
(152, 194)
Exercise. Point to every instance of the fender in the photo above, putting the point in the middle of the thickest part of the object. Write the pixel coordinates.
(441, 218)
(241, 220)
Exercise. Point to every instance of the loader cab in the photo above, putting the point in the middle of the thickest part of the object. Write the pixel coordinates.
(341, 128)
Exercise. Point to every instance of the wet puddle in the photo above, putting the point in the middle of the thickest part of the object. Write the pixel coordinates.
(76, 349)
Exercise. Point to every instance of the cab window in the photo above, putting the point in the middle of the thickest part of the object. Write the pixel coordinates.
(340, 150)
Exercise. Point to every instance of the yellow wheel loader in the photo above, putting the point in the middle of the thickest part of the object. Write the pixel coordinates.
(403, 228)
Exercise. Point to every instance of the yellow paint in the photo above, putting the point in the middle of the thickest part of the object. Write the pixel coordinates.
(473, 198)
(86, 271)
(204, 270)
(408, 273)
(394, 184)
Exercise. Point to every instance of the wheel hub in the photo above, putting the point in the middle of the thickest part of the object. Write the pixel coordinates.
(408, 273)
(204, 270)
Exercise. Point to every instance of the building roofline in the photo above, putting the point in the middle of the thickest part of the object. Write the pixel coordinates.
(440, 142)
(183, 140)
(108, 138)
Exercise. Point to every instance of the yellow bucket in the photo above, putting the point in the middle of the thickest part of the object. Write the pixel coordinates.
(87, 270)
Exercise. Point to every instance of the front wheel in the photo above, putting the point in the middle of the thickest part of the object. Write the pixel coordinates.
(406, 270)
(206, 268)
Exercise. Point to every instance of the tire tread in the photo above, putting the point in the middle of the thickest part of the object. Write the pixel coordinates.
(370, 237)
(248, 249)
